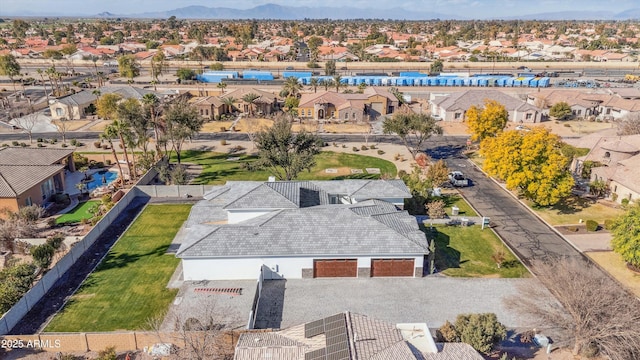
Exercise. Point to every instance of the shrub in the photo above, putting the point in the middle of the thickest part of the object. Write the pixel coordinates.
(74, 142)
(108, 162)
(108, 354)
(51, 222)
(344, 146)
(447, 333)
(567, 125)
(40, 145)
(64, 145)
(572, 228)
(624, 202)
(397, 157)
(223, 142)
(335, 145)
(380, 152)
(592, 225)
(402, 173)
(481, 331)
(364, 148)
(40, 140)
(608, 224)
(55, 241)
(23, 144)
(372, 147)
(614, 197)
(97, 144)
(42, 255)
(526, 337)
(105, 146)
(15, 143)
(355, 149)
(435, 209)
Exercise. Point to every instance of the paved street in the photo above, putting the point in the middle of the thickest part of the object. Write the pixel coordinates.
(528, 236)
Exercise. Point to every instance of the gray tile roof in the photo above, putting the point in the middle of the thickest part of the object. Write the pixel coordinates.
(366, 189)
(398, 351)
(126, 92)
(16, 179)
(262, 197)
(314, 231)
(81, 98)
(453, 351)
(465, 99)
(32, 156)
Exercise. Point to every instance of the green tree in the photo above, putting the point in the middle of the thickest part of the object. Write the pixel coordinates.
(330, 68)
(291, 103)
(626, 236)
(69, 49)
(481, 331)
(488, 121)
(436, 66)
(158, 65)
(111, 132)
(107, 106)
(314, 83)
(561, 111)
(182, 122)
(530, 162)
(413, 129)
(337, 82)
(15, 281)
(9, 67)
(185, 74)
(222, 85)
(128, 66)
(283, 153)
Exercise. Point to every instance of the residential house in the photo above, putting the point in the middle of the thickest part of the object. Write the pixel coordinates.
(350, 336)
(373, 102)
(74, 106)
(452, 107)
(583, 104)
(30, 176)
(266, 103)
(209, 107)
(617, 160)
(302, 229)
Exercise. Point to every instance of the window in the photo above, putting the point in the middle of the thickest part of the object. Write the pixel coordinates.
(529, 116)
(206, 112)
(579, 112)
(607, 155)
(346, 116)
(353, 116)
(608, 111)
(59, 112)
(458, 116)
(309, 112)
(28, 202)
(333, 114)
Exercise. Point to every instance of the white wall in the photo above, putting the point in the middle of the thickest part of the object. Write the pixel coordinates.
(236, 216)
(247, 268)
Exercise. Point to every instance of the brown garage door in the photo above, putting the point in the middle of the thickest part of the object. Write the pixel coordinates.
(335, 268)
(392, 267)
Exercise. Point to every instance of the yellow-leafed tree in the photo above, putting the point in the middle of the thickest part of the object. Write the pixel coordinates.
(487, 121)
(530, 162)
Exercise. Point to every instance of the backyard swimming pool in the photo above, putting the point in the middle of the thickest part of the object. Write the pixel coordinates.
(101, 178)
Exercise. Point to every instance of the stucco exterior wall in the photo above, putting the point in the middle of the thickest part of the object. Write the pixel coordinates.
(623, 192)
(282, 267)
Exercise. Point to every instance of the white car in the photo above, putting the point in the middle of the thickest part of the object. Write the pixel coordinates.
(522, 128)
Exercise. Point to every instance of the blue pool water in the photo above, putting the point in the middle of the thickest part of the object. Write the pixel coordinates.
(102, 178)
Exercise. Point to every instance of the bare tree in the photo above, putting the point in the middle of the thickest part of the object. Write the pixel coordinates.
(630, 124)
(203, 336)
(27, 123)
(597, 314)
(62, 126)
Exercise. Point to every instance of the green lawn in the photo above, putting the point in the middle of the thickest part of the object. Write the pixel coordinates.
(129, 286)
(451, 200)
(80, 212)
(217, 169)
(467, 251)
(572, 209)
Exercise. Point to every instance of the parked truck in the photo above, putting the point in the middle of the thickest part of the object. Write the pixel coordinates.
(456, 178)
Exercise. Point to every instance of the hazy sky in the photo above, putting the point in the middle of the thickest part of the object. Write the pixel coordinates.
(465, 8)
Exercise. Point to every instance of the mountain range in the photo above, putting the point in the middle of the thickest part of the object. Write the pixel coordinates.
(273, 11)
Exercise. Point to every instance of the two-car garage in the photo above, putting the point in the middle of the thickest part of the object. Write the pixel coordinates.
(349, 268)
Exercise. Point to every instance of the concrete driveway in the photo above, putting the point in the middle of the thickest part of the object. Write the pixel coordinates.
(433, 299)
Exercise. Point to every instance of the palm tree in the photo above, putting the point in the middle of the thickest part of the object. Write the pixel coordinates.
(314, 83)
(221, 85)
(151, 101)
(337, 82)
(249, 99)
(327, 84)
(41, 73)
(123, 131)
(109, 134)
(292, 86)
(228, 102)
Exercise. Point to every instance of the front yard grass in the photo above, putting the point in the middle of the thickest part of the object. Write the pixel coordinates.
(466, 251)
(129, 286)
(574, 208)
(616, 267)
(79, 213)
(217, 169)
(453, 199)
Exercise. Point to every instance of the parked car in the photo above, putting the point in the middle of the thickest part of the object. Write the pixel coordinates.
(456, 178)
(522, 128)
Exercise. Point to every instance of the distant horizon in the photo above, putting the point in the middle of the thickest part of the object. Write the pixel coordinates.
(459, 9)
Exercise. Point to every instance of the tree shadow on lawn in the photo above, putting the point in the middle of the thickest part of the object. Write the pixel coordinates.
(214, 176)
(446, 257)
(125, 259)
(570, 205)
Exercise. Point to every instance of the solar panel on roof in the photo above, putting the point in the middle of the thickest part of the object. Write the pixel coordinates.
(314, 328)
(319, 354)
